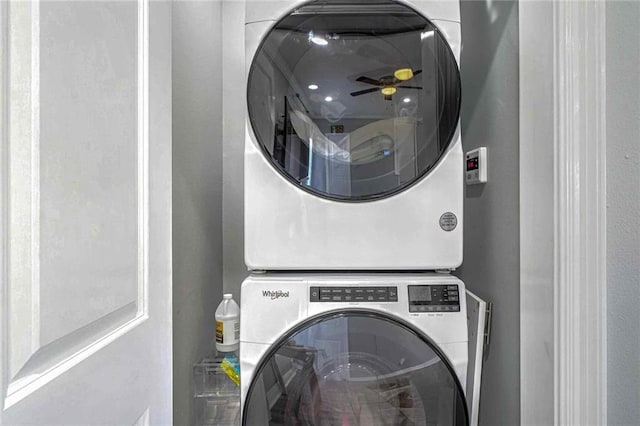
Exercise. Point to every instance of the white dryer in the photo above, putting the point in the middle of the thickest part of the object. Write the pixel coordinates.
(353, 156)
(372, 350)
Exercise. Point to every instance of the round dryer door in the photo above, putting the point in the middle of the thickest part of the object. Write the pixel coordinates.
(352, 100)
(355, 368)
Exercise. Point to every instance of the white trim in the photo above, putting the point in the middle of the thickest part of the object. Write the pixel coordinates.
(35, 176)
(143, 420)
(143, 157)
(4, 195)
(580, 213)
(19, 389)
(563, 213)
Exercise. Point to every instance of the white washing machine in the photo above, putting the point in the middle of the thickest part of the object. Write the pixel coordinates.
(353, 156)
(370, 350)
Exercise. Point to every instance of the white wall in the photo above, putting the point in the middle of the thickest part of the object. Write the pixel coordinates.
(491, 268)
(623, 211)
(197, 189)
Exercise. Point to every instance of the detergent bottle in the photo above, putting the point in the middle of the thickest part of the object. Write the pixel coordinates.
(228, 336)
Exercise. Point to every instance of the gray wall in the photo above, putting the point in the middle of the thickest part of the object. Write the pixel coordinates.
(491, 269)
(623, 211)
(233, 91)
(536, 146)
(197, 190)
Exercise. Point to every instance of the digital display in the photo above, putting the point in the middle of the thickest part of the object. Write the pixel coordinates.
(472, 164)
(434, 298)
(420, 293)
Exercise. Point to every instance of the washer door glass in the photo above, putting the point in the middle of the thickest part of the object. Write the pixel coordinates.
(354, 101)
(355, 368)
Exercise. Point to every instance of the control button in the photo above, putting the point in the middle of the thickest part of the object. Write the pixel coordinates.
(336, 290)
(369, 290)
(452, 287)
(337, 298)
(325, 298)
(381, 290)
(359, 290)
(314, 294)
(358, 298)
(348, 298)
(370, 298)
(382, 298)
(325, 290)
(453, 298)
(453, 292)
(348, 291)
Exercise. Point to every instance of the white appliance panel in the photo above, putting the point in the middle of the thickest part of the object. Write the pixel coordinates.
(265, 320)
(276, 314)
(262, 10)
(289, 302)
(288, 228)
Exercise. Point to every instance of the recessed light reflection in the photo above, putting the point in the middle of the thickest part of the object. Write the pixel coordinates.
(320, 41)
(406, 100)
(328, 99)
(313, 87)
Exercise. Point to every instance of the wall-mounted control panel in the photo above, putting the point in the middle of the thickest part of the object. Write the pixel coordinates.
(476, 166)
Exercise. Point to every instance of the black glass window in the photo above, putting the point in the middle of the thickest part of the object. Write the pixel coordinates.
(355, 369)
(354, 100)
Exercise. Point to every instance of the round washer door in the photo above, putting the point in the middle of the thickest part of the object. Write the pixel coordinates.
(354, 368)
(352, 100)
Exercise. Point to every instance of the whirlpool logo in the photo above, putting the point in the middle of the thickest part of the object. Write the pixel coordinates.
(273, 295)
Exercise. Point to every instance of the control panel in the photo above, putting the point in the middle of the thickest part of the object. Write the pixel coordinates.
(434, 298)
(353, 294)
(476, 167)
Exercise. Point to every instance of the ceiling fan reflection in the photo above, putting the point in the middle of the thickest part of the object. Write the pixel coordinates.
(388, 85)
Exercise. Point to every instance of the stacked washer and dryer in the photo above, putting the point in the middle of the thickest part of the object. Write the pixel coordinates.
(353, 215)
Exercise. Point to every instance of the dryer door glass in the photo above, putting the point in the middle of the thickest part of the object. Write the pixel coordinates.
(355, 368)
(354, 101)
